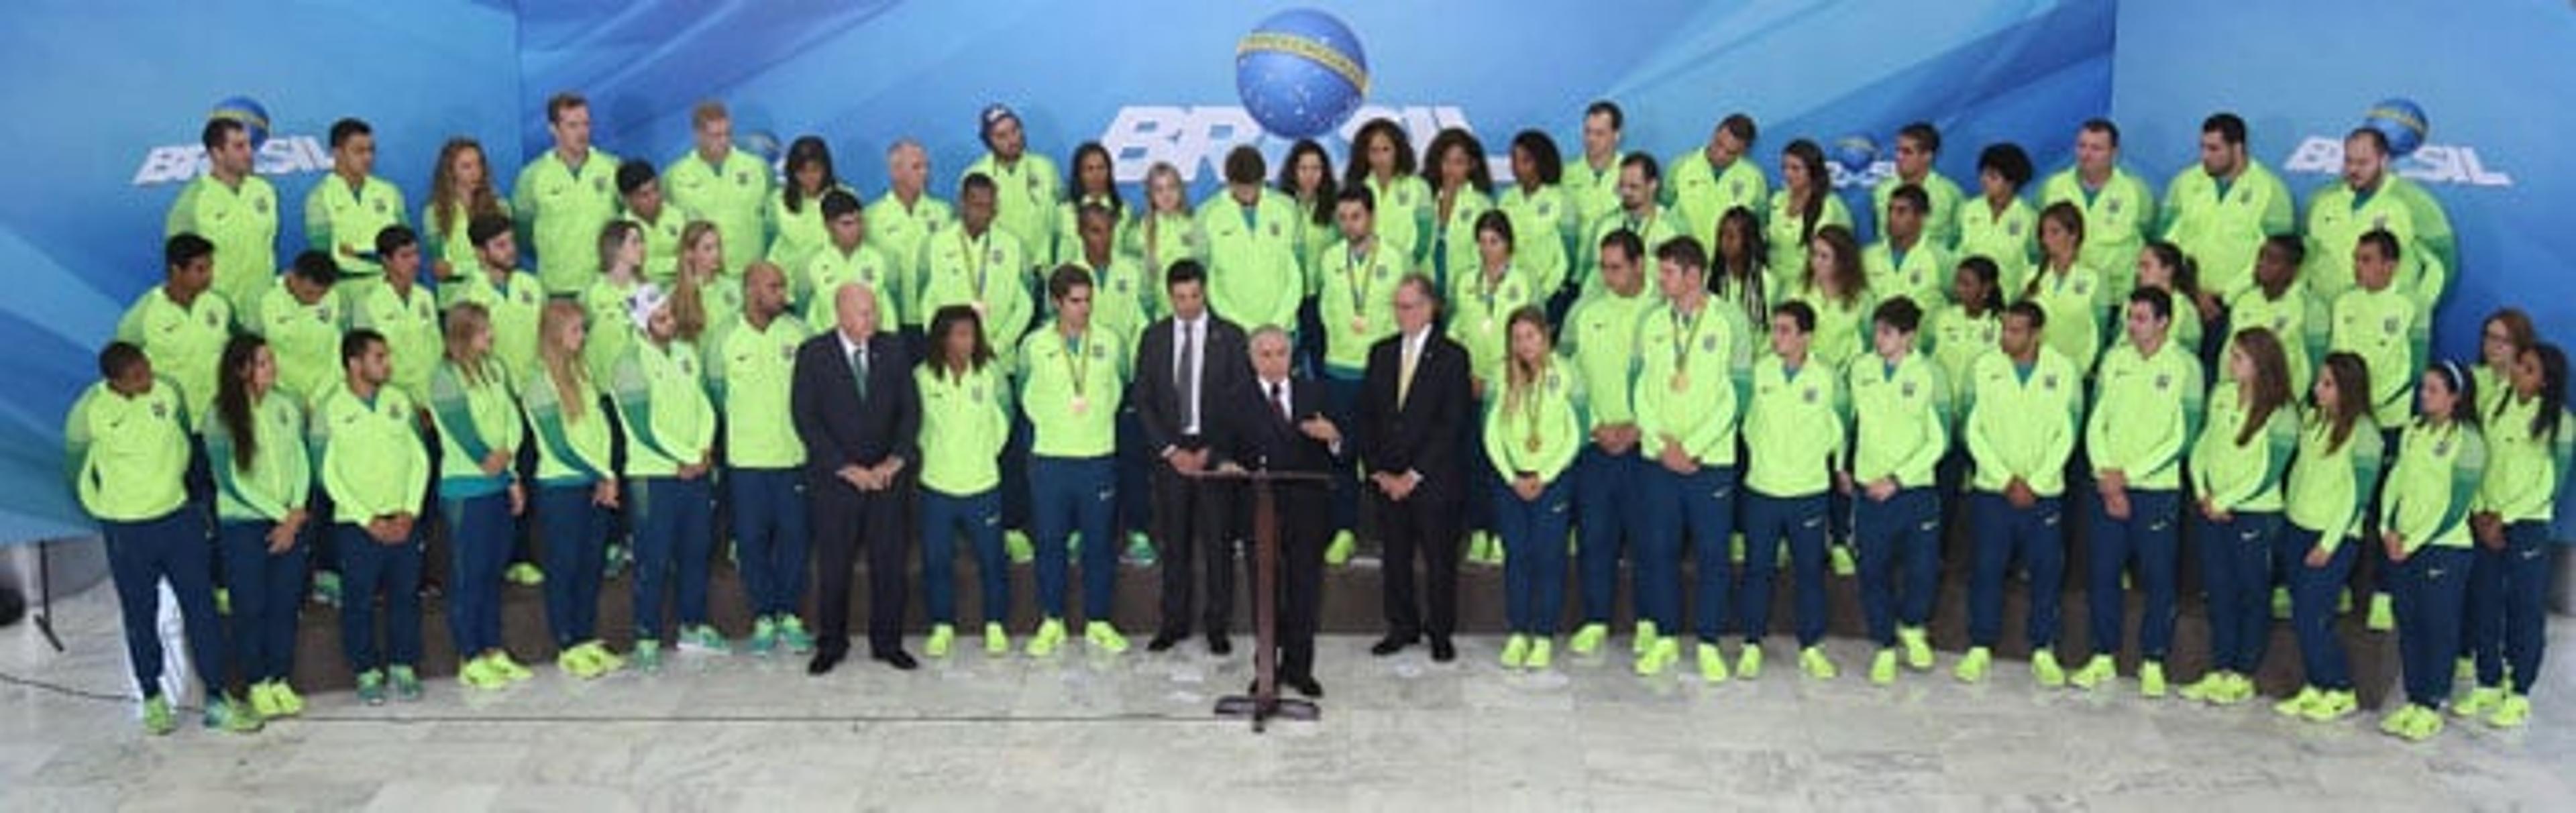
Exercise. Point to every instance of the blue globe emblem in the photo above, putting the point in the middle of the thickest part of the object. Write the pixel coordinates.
(252, 115)
(2402, 121)
(1300, 73)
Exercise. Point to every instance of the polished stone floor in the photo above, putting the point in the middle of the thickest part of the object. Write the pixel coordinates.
(1083, 732)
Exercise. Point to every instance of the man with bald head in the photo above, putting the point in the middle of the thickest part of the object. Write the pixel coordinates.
(750, 362)
(857, 413)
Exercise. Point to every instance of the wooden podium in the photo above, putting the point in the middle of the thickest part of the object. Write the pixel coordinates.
(1264, 702)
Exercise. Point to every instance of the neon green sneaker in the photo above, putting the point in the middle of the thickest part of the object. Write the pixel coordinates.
(1016, 545)
(1882, 668)
(2513, 712)
(2101, 669)
(479, 673)
(2298, 704)
(525, 574)
(287, 700)
(2209, 685)
(1050, 635)
(942, 636)
(792, 634)
(1812, 660)
(1646, 635)
(1841, 556)
(1495, 553)
(1140, 550)
(573, 661)
(1735, 548)
(1339, 552)
(2343, 602)
(223, 601)
(2465, 675)
(1587, 639)
(2396, 721)
(2239, 689)
(1712, 663)
(2332, 706)
(156, 716)
(1918, 647)
(1748, 665)
(405, 683)
(1515, 650)
(1540, 654)
(1972, 666)
(764, 635)
(600, 657)
(997, 641)
(371, 687)
(648, 656)
(231, 716)
(2383, 613)
(1103, 636)
(2426, 725)
(1659, 657)
(2151, 679)
(264, 701)
(2044, 668)
(2480, 701)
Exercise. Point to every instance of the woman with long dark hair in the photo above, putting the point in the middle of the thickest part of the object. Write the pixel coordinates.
(1804, 204)
(2245, 446)
(2424, 525)
(965, 418)
(2329, 491)
(2530, 440)
(264, 492)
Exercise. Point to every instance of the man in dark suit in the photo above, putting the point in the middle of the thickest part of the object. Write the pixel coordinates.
(1269, 422)
(1185, 365)
(1413, 404)
(859, 416)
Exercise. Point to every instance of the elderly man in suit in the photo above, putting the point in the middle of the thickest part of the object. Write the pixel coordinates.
(1413, 403)
(857, 412)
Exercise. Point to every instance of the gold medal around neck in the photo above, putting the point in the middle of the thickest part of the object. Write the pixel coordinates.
(1681, 381)
(1081, 405)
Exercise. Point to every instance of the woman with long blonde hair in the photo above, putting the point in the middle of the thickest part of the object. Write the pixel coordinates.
(576, 486)
(479, 495)
(1532, 432)
(460, 190)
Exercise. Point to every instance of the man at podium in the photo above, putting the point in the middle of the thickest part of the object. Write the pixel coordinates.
(1276, 424)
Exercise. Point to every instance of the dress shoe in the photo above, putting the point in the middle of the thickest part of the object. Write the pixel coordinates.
(823, 662)
(1219, 645)
(1305, 685)
(1391, 644)
(899, 659)
(1162, 641)
(1442, 651)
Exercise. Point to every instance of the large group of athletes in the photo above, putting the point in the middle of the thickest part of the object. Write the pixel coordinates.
(1613, 358)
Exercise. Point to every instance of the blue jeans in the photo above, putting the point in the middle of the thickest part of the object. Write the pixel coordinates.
(1533, 533)
(2150, 536)
(1607, 509)
(2312, 606)
(1903, 532)
(2037, 537)
(2236, 571)
(576, 539)
(2508, 606)
(366, 568)
(1799, 521)
(675, 533)
(478, 546)
(1068, 495)
(172, 546)
(978, 517)
(2432, 588)
(770, 538)
(267, 591)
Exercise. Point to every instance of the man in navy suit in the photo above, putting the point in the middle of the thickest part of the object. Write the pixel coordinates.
(859, 416)
(1273, 423)
(1413, 404)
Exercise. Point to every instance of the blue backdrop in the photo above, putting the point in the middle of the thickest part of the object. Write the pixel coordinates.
(1156, 82)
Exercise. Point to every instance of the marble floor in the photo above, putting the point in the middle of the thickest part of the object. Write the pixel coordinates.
(1083, 732)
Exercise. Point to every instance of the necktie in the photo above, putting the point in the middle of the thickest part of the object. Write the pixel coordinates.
(1405, 357)
(859, 370)
(1279, 396)
(1187, 379)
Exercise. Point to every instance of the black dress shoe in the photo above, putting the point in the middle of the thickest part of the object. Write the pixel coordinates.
(824, 660)
(1305, 685)
(1162, 641)
(1219, 645)
(899, 659)
(1392, 644)
(1442, 651)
